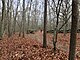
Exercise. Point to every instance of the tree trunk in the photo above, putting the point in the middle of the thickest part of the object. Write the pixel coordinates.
(73, 30)
(50, 19)
(57, 22)
(1, 22)
(23, 18)
(8, 18)
(45, 22)
(28, 24)
(9, 15)
(65, 14)
(14, 23)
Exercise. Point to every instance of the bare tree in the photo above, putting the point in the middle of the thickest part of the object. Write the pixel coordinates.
(29, 10)
(23, 18)
(73, 30)
(58, 7)
(65, 19)
(9, 15)
(1, 21)
(45, 22)
(14, 23)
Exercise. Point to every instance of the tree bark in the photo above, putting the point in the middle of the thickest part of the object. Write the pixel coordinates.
(1, 22)
(23, 18)
(45, 22)
(14, 23)
(73, 30)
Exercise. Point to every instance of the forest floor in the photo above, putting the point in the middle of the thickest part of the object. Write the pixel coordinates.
(30, 47)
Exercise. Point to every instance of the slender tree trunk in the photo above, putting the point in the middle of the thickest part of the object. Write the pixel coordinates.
(1, 22)
(28, 23)
(20, 30)
(45, 22)
(73, 30)
(56, 29)
(35, 14)
(14, 23)
(50, 19)
(65, 28)
(8, 17)
(23, 18)
(29, 18)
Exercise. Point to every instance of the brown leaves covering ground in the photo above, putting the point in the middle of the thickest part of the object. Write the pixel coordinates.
(30, 48)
